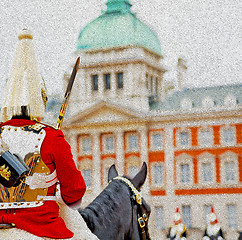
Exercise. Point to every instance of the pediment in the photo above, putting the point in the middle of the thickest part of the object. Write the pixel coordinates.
(104, 112)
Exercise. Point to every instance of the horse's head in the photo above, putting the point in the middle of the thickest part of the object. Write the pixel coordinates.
(140, 209)
(119, 212)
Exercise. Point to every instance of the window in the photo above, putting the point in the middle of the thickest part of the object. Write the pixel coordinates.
(207, 211)
(185, 173)
(232, 216)
(206, 168)
(87, 175)
(108, 143)
(229, 168)
(133, 144)
(159, 218)
(156, 140)
(229, 171)
(85, 145)
(186, 213)
(230, 101)
(207, 102)
(207, 172)
(228, 136)
(184, 166)
(186, 104)
(157, 172)
(184, 139)
(94, 82)
(107, 81)
(132, 171)
(120, 83)
(206, 137)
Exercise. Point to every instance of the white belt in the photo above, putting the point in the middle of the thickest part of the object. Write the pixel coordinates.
(40, 180)
(46, 198)
(40, 202)
(21, 204)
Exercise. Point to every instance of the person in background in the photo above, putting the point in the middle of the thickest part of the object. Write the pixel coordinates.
(178, 230)
(32, 204)
(213, 230)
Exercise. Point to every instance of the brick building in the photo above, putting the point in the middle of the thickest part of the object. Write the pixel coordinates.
(122, 112)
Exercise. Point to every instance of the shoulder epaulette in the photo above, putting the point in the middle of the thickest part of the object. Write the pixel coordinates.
(50, 126)
(37, 126)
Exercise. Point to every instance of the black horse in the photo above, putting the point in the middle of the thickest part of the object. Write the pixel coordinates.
(119, 213)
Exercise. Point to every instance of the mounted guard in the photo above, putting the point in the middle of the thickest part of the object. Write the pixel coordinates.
(213, 230)
(178, 230)
(34, 157)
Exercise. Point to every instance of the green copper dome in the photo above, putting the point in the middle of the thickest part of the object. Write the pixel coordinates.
(117, 27)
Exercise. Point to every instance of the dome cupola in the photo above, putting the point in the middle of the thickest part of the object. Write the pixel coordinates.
(117, 27)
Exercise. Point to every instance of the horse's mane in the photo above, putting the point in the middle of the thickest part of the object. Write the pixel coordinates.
(103, 209)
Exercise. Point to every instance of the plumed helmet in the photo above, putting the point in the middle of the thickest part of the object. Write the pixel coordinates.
(24, 86)
(177, 216)
(212, 217)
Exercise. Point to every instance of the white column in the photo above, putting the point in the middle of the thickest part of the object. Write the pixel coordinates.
(169, 166)
(144, 158)
(96, 164)
(113, 84)
(87, 85)
(169, 161)
(120, 151)
(100, 84)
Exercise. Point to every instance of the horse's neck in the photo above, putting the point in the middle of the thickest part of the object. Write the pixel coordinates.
(109, 216)
(88, 218)
(95, 224)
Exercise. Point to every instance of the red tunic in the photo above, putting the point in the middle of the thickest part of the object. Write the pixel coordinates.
(44, 221)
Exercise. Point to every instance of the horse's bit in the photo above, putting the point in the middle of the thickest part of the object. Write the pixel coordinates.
(141, 213)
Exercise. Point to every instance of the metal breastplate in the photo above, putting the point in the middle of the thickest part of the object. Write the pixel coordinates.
(26, 143)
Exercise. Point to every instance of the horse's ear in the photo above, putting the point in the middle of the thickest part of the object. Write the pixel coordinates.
(140, 177)
(112, 172)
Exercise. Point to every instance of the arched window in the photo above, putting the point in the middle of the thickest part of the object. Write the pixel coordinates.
(184, 166)
(208, 102)
(229, 168)
(229, 101)
(206, 169)
(186, 104)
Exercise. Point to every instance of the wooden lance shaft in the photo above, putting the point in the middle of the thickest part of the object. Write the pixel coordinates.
(67, 94)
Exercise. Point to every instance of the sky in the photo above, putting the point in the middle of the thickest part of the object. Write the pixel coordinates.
(207, 33)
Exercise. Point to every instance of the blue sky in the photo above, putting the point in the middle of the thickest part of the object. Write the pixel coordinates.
(206, 32)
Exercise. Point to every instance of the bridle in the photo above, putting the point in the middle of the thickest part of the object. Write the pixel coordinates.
(142, 215)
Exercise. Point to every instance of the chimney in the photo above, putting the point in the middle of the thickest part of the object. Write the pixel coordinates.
(181, 73)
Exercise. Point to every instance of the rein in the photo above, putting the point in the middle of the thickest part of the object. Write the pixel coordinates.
(136, 199)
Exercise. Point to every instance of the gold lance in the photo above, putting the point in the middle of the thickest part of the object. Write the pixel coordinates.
(67, 94)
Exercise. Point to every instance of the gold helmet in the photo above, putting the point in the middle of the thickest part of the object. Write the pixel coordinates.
(25, 86)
